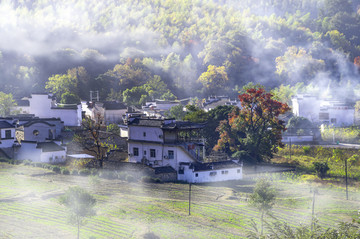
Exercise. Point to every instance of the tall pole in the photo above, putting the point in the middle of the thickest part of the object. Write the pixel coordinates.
(346, 180)
(290, 149)
(313, 210)
(189, 198)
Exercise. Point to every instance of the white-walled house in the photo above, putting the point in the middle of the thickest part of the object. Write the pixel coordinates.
(43, 152)
(42, 105)
(323, 111)
(210, 172)
(164, 143)
(110, 111)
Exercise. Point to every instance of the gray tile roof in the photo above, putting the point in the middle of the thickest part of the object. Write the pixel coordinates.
(49, 147)
(6, 125)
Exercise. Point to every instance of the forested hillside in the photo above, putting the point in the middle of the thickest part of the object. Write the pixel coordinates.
(137, 50)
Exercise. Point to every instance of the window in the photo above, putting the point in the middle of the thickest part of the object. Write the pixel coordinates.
(152, 153)
(144, 152)
(224, 172)
(323, 116)
(238, 171)
(196, 175)
(333, 120)
(213, 173)
(136, 151)
(171, 154)
(7, 134)
(36, 132)
(144, 134)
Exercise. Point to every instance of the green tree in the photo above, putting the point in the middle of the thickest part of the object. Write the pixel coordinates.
(6, 103)
(255, 128)
(213, 79)
(60, 84)
(69, 98)
(263, 198)
(80, 204)
(297, 123)
(176, 112)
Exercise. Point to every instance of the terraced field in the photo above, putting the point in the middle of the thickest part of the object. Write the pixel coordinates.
(29, 207)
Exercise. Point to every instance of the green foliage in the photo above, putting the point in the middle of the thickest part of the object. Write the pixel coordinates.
(80, 204)
(339, 134)
(113, 128)
(65, 171)
(176, 112)
(213, 79)
(60, 84)
(321, 168)
(56, 169)
(263, 198)
(84, 172)
(69, 98)
(6, 103)
(297, 123)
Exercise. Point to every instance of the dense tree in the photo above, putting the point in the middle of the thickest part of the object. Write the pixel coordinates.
(6, 103)
(299, 125)
(214, 79)
(80, 204)
(60, 84)
(255, 129)
(176, 112)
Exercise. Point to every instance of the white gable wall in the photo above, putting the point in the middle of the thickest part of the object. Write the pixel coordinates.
(152, 134)
(211, 175)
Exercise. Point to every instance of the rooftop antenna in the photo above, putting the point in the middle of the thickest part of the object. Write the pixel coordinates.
(96, 92)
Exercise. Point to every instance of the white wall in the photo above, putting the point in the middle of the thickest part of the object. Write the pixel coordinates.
(28, 150)
(114, 116)
(152, 133)
(204, 176)
(43, 130)
(7, 143)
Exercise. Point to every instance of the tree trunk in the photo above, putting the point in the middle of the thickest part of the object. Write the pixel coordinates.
(78, 224)
(262, 222)
(346, 180)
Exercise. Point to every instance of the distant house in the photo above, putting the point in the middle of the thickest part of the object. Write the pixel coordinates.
(111, 112)
(166, 144)
(42, 105)
(214, 101)
(44, 152)
(324, 111)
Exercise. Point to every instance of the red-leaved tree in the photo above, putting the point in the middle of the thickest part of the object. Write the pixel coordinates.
(254, 130)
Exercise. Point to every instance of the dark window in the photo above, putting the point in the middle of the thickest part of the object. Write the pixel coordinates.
(196, 175)
(136, 151)
(323, 116)
(333, 121)
(144, 152)
(36, 132)
(144, 134)
(7, 134)
(50, 134)
(213, 173)
(152, 153)
(171, 154)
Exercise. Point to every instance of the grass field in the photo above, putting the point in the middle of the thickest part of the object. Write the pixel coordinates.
(29, 206)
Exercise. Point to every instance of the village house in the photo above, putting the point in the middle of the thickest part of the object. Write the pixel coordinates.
(110, 112)
(213, 101)
(43, 105)
(324, 111)
(43, 152)
(170, 145)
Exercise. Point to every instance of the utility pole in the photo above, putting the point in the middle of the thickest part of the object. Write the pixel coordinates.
(346, 180)
(189, 198)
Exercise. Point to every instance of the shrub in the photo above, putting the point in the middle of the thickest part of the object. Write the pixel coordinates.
(130, 178)
(108, 174)
(65, 171)
(122, 175)
(148, 179)
(74, 172)
(27, 162)
(4, 160)
(306, 149)
(321, 168)
(56, 169)
(84, 172)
